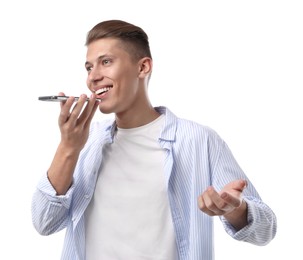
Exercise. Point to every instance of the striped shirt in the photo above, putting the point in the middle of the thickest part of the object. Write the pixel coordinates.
(195, 158)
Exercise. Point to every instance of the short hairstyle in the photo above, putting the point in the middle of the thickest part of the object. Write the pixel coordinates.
(133, 38)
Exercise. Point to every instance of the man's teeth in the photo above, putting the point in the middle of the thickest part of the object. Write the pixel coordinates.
(101, 90)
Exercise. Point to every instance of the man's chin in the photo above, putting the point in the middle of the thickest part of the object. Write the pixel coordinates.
(105, 110)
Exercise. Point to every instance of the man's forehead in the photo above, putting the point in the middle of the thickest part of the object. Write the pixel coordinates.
(107, 47)
(103, 46)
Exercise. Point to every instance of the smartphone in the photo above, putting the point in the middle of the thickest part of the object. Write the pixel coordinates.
(58, 98)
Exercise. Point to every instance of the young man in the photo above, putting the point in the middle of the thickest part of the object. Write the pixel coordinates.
(145, 185)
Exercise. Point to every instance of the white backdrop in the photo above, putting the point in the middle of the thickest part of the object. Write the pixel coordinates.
(233, 65)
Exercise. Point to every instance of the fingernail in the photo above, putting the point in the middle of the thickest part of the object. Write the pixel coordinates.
(224, 195)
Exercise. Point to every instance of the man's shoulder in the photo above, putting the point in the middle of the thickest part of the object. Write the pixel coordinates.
(194, 127)
(187, 123)
(187, 128)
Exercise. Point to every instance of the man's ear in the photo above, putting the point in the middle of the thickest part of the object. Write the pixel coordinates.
(145, 67)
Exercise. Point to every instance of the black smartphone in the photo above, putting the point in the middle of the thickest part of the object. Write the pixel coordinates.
(58, 98)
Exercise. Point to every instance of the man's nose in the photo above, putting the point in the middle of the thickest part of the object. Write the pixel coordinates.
(95, 74)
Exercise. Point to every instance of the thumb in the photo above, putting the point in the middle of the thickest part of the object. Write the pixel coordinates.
(240, 185)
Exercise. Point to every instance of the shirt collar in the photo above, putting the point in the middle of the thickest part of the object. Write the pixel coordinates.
(168, 132)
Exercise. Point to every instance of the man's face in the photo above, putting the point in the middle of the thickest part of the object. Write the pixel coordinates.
(112, 75)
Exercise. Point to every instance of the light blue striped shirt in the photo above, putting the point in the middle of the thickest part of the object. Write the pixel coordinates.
(196, 157)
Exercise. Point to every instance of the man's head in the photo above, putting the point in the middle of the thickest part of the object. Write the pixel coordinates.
(133, 39)
(119, 65)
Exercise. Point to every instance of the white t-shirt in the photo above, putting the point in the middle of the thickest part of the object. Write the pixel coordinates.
(129, 216)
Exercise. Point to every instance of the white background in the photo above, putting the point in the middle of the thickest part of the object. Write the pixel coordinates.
(233, 65)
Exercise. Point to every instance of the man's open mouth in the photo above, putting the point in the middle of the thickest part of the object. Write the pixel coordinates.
(103, 90)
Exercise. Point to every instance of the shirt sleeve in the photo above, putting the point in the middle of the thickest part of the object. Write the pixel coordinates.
(261, 228)
(50, 211)
(262, 224)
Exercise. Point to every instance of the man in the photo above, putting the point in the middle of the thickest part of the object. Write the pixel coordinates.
(146, 184)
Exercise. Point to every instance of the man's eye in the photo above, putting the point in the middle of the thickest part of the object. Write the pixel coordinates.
(88, 69)
(106, 62)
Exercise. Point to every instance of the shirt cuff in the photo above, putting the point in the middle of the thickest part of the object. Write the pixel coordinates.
(243, 233)
(50, 193)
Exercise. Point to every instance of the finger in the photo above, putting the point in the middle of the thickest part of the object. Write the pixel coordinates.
(231, 201)
(212, 202)
(239, 185)
(89, 119)
(202, 206)
(89, 110)
(61, 94)
(219, 205)
(65, 110)
(76, 110)
(243, 184)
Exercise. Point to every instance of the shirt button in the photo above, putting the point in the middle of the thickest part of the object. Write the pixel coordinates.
(86, 196)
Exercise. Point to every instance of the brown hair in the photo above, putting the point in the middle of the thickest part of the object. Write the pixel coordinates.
(133, 38)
